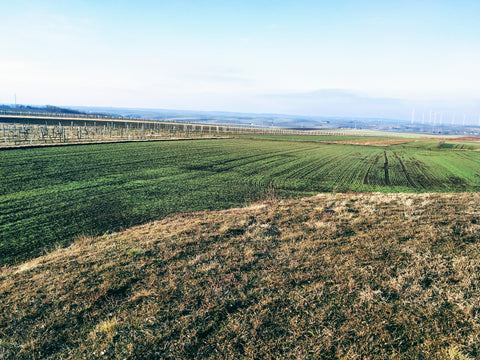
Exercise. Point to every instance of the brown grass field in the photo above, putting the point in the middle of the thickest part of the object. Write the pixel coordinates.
(334, 276)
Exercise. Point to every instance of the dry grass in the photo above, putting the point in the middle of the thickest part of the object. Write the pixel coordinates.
(347, 276)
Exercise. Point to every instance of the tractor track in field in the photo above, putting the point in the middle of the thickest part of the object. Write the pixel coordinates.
(385, 167)
(365, 178)
(407, 175)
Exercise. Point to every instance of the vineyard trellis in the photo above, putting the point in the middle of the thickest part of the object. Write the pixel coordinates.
(34, 130)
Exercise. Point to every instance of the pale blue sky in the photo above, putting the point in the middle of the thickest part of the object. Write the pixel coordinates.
(224, 55)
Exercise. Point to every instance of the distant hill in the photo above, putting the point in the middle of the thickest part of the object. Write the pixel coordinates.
(422, 122)
(46, 108)
(380, 123)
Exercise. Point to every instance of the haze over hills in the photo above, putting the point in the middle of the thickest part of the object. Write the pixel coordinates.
(333, 108)
(337, 103)
(339, 110)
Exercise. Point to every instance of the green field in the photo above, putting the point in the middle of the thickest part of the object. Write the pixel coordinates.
(49, 196)
(448, 145)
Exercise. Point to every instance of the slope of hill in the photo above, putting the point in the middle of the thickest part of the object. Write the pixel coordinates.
(371, 276)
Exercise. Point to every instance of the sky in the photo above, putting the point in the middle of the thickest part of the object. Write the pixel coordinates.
(236, 55)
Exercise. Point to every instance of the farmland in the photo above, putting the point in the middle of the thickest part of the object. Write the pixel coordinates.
(50, 196)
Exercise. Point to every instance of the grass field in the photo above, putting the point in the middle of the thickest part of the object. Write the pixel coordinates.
(334, 276)
(448, 145)
(49, 196)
